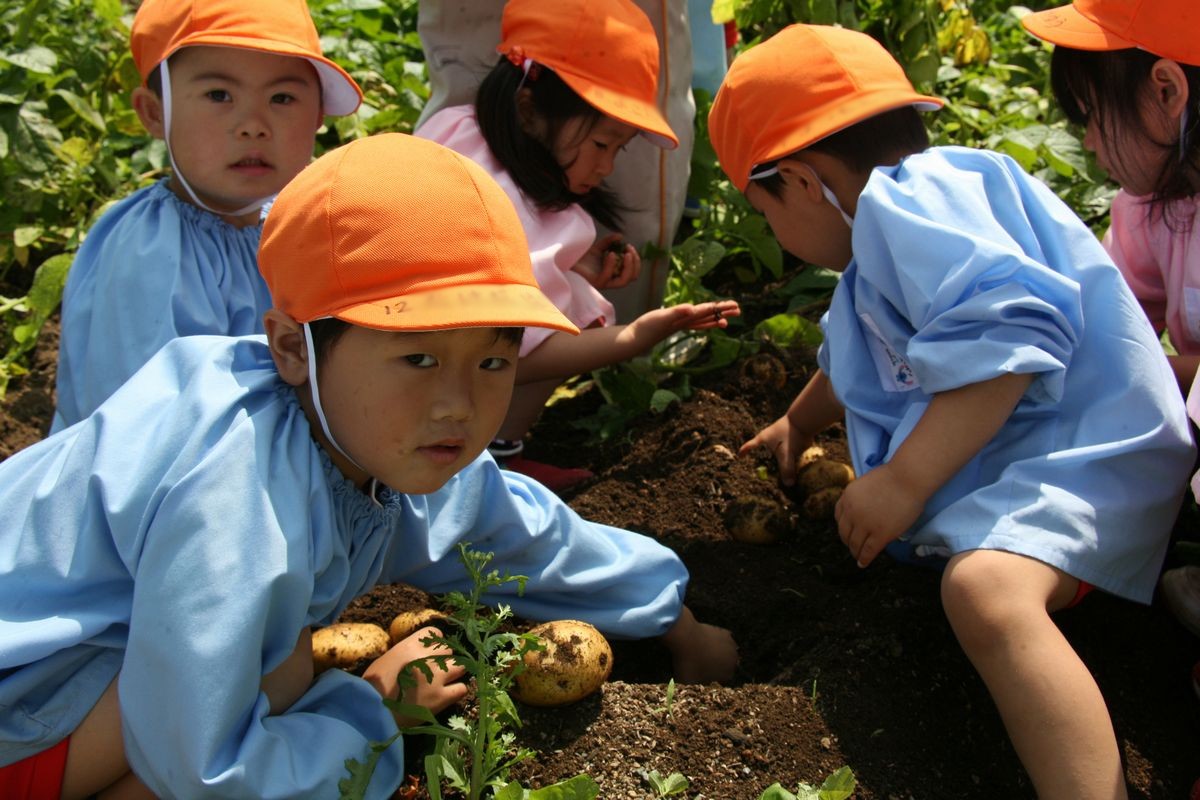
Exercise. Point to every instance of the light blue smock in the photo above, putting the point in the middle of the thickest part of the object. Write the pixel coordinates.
(151, 269)
(966, 268)
(184, 534)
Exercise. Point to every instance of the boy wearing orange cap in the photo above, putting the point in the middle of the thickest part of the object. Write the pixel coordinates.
(1009, 410)
(174, 549)
(237, 91)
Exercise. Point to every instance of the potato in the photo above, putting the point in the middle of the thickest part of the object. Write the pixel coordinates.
(823, 474)
(576, 662)
(820, 505)
(406, 623)
(346, 644)
(756, 520)
(814, 453)
(766, 370)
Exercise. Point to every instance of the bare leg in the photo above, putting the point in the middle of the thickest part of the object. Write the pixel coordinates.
(999, 605)
(526, 406)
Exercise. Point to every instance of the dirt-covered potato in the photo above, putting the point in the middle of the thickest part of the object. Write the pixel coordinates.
(406, 623)
(765, 370)
(823, 474)
(756, 520)
(576, 662)
(820, 505)
(347, 644)
(814, 453)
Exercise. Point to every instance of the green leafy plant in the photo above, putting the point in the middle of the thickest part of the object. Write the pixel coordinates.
(669, 703)
(838, 786)
(668, 786)
(473, 754)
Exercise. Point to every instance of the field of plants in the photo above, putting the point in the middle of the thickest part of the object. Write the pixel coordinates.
(850, 683)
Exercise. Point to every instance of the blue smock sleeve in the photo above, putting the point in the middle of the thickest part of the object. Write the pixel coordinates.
(153, 268)
(624, 583)
(953, 264)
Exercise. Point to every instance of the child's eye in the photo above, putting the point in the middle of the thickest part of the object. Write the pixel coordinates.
(421, 360)
(218, 95)
(495, 363)
(599, 144)
(283, 99)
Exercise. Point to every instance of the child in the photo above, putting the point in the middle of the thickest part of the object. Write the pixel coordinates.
(1150, 51)
(163, 561)
(237, 91)
(577, 81)
(1005, 400)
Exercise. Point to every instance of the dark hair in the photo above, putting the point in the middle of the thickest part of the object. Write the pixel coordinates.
(882, 139)
(529, 161)
(1105, 83)
(326, 333)
(154, 79)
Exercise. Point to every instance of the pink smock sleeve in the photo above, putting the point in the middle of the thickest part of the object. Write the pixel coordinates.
(557, 239)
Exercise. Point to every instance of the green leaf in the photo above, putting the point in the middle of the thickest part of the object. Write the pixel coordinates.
(789, 330)
(36, 59)
(776, 792)
(48, 282)
(513, 791)
(26, 235)
(662, 399)
(838, 786)
(723, 11)
(83, 109)
(581, 787)
(355, 787)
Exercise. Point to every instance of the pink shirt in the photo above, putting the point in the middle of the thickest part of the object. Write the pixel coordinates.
(1161, 265)
(557, 239)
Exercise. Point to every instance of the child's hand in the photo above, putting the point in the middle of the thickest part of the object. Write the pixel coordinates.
(785, 441)
(608, 264)
(652, 327)
(874, 510)
(445, 689)
(700, 653)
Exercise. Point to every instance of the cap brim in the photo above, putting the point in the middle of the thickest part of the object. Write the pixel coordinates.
(1066, 26)
(641, 115)
(340, 94)
(510, 305)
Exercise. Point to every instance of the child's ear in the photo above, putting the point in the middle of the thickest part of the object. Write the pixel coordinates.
(149, 109)
(1170, 87)
(801, 178)
(289, 351)
(526, 114)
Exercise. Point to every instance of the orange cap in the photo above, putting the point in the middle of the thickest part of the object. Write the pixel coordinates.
(801, 85)
(282, 27)
(399, 233)
(606, 50)
(1167, 28)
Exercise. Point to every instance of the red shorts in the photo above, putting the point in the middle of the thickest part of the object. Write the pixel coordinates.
(39, 777)
(1083, 591)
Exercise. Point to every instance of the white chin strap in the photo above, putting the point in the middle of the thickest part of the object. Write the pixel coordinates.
(829, 195)
(166, 102)
(316, 395)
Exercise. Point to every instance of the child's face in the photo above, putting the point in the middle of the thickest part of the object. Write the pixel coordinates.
(415, 408)
(588, 155)
(243, 123)
(806, 225)
(1134, 159)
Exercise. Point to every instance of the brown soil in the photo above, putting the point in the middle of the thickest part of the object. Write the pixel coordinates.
(839, 666)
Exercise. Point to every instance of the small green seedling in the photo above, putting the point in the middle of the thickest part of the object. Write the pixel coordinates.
(666, 787)
(670, 702)
(838, 786)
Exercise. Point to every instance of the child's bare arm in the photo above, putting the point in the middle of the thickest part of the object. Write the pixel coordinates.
(813, 410)
(884, 502)
(563, 355)
(701, 653)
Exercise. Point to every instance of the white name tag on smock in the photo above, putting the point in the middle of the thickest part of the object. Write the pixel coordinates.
(895, 375)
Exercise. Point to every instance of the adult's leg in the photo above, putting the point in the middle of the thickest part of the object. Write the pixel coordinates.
(999, 605)
(459, 40)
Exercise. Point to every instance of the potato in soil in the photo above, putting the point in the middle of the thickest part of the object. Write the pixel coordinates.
(576, 662)
(406, 623)
(757, 520)
(347, 644)
(823, 474)
(821, 504)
